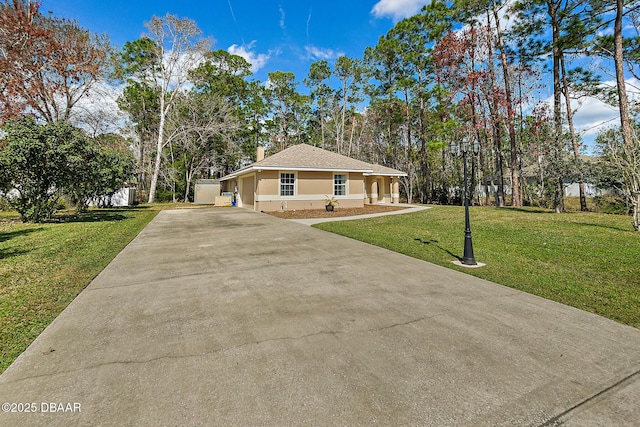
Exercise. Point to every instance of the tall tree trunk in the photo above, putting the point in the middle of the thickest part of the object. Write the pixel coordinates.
(353, 129)
(445, 185)
(425, 187)
(141, 171)
(159, 147)
(343, 119)
(557, 100)
(187, 176)
(559, 202)
(495, 122)
(516, 194)
(408, 124)
(623, 103)
(499, 169)
(484, 166)
(173, 180)
(425, 191)
(572, 133)
(322, 127)
(630, 148)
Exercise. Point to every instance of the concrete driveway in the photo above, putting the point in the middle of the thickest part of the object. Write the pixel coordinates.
(233, 318)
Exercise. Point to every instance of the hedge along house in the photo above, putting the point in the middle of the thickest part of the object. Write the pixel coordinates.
(303, 176)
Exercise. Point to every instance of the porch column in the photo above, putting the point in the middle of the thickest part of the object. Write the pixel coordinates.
(373, 192)
(395, 190)
(256, 185)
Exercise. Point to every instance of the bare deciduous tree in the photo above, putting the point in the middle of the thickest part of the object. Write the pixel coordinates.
(197, 126)
(180, 49)
(48, 64)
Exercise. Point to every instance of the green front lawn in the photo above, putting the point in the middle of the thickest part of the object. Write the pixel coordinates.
(44, 266)
(586, 260)
(589, 261)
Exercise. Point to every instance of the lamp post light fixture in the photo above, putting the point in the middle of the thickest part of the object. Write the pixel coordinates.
(465, 148)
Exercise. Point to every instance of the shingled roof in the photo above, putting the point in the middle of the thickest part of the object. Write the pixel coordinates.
(307, 157)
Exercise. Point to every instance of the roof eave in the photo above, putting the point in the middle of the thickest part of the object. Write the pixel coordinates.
(386, 174)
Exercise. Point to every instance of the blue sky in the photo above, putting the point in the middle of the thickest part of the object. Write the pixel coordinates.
(285, 35)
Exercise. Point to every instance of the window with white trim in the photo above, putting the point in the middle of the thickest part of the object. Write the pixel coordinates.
(340, 185)
(287, 184)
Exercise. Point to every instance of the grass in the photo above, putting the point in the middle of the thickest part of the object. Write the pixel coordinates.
(586, 260)
(44, 266)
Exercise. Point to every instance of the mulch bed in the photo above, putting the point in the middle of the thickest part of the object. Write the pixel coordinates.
(338, 212)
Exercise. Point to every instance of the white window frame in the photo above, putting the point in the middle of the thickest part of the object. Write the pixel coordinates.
(345, 185)
(293, 184)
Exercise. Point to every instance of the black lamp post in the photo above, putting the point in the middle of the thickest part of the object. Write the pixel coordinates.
(464, 148)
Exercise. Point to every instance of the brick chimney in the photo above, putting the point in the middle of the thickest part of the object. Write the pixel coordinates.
(260, 153)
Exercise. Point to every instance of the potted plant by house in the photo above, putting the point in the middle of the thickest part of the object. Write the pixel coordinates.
(330, 203)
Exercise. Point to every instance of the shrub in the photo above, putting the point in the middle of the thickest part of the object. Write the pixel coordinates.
(40, 162)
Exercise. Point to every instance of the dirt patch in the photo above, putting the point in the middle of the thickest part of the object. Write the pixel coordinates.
(338, 212)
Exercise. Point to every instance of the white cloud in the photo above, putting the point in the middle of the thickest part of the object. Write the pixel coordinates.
(608, 31)
(318, 53)
(593, 116)
(257, 60)
(282, 16)
(397, 9)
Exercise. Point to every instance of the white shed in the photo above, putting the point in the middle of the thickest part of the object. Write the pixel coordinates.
(206, 191)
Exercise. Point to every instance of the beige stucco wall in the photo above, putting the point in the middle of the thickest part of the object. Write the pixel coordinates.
(356, 184)
(307, 183)
(311, 189)
(268, 182)
(310, 182)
